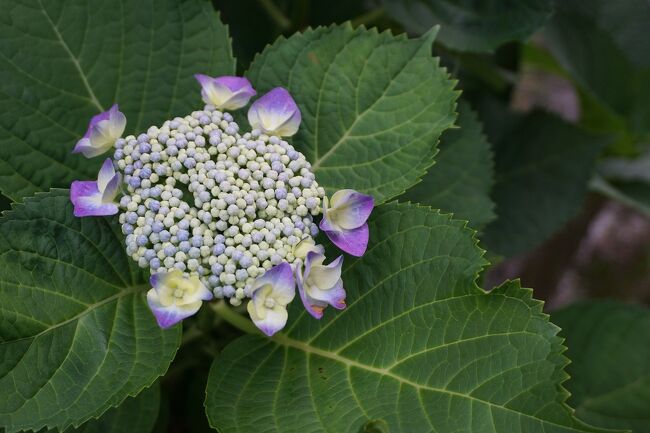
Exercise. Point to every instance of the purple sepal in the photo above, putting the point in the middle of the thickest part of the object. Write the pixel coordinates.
(157, 279)
(313, 307)
(281, 278)
(226, 92)
(352, 208)
(315, 298)
(96, 198)
(274, 322)
(353, 242)
(275, 113)
(103, 129)
(87, 200)
(272, 292)
(344, 220)
(169, 309)
(168, 316)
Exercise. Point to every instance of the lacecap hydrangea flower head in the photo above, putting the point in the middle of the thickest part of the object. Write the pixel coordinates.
(215, 213)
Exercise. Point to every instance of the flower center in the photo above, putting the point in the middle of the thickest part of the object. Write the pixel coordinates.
(269, 303)
(213, 203)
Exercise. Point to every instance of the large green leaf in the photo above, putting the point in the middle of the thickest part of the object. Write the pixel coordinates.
(472, 25)
(420, 348)
(61, 62)
(136, 414)
(600, 42)
(373, 105)
(462, 177)
(76, 335)
(609, 346)
(5, 203)
(542, 171)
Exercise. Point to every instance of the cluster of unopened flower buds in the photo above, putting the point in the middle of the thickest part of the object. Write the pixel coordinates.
(214, 213)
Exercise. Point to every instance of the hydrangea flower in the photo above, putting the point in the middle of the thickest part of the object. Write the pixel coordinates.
(102, 132)
(252, 197)
(271, 293)
(96, 198)
(275, 113)
(321, 285)
(215, 213)
(305, 246)
(344, 220)
(225, 93)
(175, 296)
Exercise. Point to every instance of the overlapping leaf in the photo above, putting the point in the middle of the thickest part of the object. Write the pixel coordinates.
(373, 105)
(461, 179)
(62, 62)
(542, 172)
(600, 42)
(76, 335)
(420, 348)
(609, 346)
(472, 25)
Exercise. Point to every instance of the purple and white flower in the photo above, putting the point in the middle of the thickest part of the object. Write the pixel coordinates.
(271, 293)
(103, 130)
(96, 198)
(344, 220)
(227, 92)
(175, 296)
(275, 113)
(321, 285)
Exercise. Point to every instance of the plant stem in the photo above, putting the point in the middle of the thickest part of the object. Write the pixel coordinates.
(235, 319)
(276, 14)
(368, 18)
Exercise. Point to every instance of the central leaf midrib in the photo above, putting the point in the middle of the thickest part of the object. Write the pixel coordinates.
(73, 59)
(283, 340)
(319, 160)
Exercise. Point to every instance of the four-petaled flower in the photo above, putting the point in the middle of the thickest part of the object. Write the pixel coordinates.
(103, 130)
(320, 285)
(275, 113)
(344, 220)
(96, 198)
(271, 293)
(175, 296)
(225, 93)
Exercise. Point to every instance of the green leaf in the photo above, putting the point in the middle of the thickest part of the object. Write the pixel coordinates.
(136, 414)
(543, 168)
(5, 203)
(472, 25)
(76, 335)
(420, 347)
(375, 426)
(462, 177)
(373, 105)
(609, 347)
(599, 43)
(61, 62)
